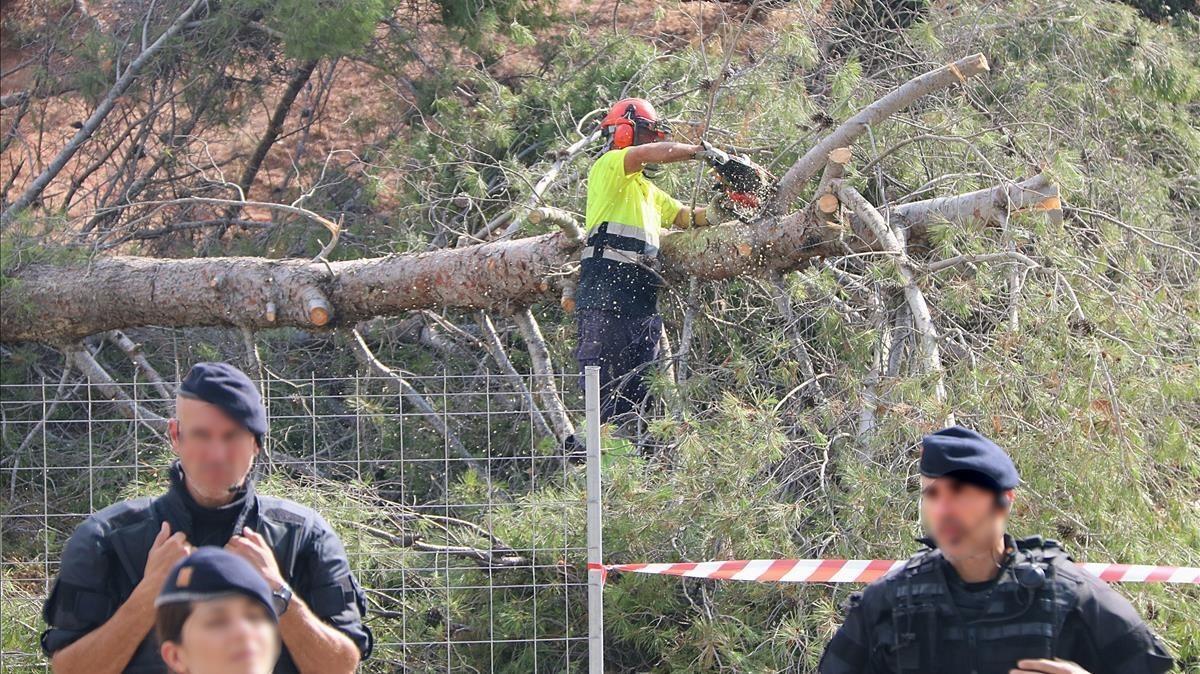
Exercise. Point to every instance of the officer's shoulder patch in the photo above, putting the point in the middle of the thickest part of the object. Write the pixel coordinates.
(284, 515)
(1031, 543)
(1068, 570)
(920, 562)
(288, 512)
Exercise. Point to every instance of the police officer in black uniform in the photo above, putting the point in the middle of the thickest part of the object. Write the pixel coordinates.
(976, 601)
(101, 609)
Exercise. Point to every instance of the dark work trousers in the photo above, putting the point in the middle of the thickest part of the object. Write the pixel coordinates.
(624, 348)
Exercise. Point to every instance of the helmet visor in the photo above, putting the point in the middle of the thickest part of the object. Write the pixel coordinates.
(659, 127)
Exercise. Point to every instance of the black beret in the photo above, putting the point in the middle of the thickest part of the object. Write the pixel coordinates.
(228, 388)
(211, 572)
(963, 453)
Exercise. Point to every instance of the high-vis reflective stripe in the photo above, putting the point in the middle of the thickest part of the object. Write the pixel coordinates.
(645, 244)
(649, 238)
(625, 256)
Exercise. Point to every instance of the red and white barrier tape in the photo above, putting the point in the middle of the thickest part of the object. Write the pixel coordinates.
(868, 570)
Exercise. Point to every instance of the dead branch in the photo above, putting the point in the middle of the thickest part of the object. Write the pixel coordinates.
(134, 351)
(495, 349)
(543, 374)
(93, 122)
(922, 318)
(414, 397)
(844, 136)
(487, 558)
(80, 356)
(274, 127)
(508, 219)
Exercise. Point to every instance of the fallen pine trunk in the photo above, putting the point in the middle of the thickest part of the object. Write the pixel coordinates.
(61, 303)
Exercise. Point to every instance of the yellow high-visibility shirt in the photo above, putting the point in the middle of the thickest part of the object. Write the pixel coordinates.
(627, 199)
(636, 211)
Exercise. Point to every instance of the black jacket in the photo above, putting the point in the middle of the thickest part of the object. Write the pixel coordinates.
(106, 556)
(908, 621)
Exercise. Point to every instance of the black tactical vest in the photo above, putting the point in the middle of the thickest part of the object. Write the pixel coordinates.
(1023, 618)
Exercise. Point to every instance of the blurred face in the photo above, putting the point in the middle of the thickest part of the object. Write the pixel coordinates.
(216, 451)
(230, 635)
(962, 518)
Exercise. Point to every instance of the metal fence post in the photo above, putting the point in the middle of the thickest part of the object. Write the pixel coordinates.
(595, 538)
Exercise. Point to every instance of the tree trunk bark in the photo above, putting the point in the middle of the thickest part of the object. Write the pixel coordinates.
(61, 303)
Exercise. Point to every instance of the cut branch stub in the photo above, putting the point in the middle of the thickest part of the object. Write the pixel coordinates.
(316, 306)
(828, 203)
(839, 156)
(572, 233)
(835, 169)
(569, 286)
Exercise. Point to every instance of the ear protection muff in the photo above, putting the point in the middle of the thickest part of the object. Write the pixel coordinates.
(622, 136)
(623, 132)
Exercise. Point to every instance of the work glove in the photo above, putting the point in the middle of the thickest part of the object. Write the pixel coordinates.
(718, 210)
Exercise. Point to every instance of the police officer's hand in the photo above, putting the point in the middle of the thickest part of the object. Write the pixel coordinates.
(253, 548)
(167, 549)
(1048, 667)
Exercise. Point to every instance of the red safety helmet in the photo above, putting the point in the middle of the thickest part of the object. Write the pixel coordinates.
(627, 116)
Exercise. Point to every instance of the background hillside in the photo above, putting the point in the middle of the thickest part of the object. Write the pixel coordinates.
(787, 423)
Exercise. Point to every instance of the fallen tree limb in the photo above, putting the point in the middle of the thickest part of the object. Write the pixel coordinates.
(486, 558)
(81, 358)
(134, 351)
(61, 303)
(20, 97)
(783, 302)
(543, 375)
(844, 136)
(59, 398)
(927, 336)
(977, 258)
(495, 349)
(508, 219)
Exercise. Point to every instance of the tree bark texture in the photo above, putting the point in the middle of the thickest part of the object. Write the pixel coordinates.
(61, 303)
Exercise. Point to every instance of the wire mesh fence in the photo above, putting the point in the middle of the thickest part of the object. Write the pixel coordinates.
(463, 519)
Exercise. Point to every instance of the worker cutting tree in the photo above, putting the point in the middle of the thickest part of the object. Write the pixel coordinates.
(617, 296)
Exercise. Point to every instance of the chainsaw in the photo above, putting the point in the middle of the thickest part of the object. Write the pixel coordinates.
(742, 186)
